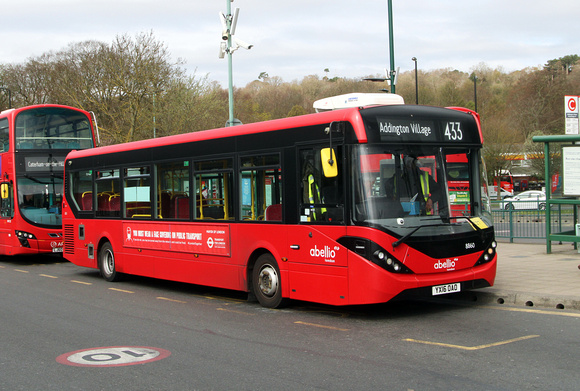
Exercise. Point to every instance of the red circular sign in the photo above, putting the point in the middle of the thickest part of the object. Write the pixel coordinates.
(113, 356)
(572, 104)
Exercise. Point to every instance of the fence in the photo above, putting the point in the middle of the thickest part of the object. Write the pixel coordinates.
(530, 223)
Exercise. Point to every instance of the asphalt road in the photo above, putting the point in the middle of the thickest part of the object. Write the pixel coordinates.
(197, 338)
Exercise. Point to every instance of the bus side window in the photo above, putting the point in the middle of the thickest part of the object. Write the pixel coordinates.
(106, 202)
(213, 189)
(173, 190)
(261, 188)
(7, 200)
(81, 189)
(136, 193)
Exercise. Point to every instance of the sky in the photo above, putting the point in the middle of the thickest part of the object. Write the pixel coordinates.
(298, 38)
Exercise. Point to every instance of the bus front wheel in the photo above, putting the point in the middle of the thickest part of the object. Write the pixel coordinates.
(266, 282)
(107, 263)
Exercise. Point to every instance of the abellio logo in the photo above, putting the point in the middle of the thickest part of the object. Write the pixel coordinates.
(326, 252)
(448, 264)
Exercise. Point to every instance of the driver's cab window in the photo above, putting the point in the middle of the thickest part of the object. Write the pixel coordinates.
(322, 198)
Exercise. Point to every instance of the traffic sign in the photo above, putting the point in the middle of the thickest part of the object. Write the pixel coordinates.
(571, 114)
(112, 356)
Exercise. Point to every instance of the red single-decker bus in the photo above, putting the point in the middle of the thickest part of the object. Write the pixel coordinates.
(350, 206)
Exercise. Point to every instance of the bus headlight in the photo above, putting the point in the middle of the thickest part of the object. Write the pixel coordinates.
(387, 261)
(374, 253)
(23, 238)
(488, 254)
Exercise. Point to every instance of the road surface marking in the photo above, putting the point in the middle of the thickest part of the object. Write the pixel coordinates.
(479, 347)
(226, 299)
(120, 290)
(113, 356)
(47, 275)
(21, 271)
(529, 310)
(172, 300)
(81, 282)
(321, 326)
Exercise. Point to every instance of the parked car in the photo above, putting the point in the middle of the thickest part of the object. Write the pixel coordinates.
(503, 193)
(531, 199)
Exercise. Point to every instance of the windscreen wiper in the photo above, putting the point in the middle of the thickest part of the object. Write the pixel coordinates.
(402, 239)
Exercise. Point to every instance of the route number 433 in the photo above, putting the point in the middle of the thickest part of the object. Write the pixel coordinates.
(453, 131)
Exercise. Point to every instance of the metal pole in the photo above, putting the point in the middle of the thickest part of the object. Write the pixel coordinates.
(154, 123)
(475, 90)
(391, 45)
(416, 82)
(230, 64)
(548, 189)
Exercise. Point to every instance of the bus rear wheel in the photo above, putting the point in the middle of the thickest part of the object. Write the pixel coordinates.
(266, 282)
(107, 263)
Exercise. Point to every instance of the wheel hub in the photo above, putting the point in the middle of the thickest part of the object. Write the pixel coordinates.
(268, 281)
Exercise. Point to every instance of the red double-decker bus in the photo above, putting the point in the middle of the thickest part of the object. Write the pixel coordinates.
(34, 142)
(343, 207)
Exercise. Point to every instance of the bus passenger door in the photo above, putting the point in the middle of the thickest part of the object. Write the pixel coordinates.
(317, 264)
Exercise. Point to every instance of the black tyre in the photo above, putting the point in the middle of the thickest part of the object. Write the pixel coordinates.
(266, 282)
(542, 206)
(509, 206)
(106, 263)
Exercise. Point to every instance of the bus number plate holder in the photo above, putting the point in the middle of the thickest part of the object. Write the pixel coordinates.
(445, 289)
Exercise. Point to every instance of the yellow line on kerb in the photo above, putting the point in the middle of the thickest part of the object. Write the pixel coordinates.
(320, 326)
(479, 347)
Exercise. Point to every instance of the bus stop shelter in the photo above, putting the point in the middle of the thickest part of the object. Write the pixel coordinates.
(574, 141)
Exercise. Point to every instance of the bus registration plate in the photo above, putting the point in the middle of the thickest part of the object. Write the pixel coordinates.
(447, 288)
(57, 249)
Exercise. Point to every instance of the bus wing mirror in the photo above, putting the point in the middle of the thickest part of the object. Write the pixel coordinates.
(4, 191)
(329, 164)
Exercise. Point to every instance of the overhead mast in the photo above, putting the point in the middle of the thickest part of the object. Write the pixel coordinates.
(228, 45)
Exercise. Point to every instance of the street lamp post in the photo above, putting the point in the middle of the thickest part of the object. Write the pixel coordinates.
(391, 45)
(475, 91)
(416, 82)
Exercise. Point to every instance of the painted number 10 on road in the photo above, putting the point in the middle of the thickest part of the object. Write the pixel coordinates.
(112, 356)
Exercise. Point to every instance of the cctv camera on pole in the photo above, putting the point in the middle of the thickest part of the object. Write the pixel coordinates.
(228, 23)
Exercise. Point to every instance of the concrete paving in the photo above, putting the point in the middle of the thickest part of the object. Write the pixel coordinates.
(528, 276)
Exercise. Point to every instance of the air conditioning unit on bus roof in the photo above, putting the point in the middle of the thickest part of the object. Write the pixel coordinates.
(357, 100)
